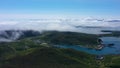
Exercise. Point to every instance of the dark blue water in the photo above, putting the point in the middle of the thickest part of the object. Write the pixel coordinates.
(115, 49)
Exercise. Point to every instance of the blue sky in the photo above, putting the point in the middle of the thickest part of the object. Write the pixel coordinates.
(102, 8)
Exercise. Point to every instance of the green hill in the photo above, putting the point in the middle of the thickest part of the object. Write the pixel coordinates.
(70, 38)
(51, 58)
(37, 52)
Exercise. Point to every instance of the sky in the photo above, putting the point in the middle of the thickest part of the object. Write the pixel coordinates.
(59, 8)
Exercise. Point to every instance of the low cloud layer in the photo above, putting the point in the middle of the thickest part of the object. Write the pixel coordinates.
(56, 24)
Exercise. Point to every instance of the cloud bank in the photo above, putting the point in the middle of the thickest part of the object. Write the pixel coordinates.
(57, 24)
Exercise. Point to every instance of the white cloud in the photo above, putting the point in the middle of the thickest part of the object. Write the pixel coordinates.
(8, 22)
(55, 24)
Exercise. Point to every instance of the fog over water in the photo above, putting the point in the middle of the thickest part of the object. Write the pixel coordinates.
(93, 26)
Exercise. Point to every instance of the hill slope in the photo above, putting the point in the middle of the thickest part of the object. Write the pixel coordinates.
(51, 58)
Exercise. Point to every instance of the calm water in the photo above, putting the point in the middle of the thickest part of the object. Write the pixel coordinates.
(115, 49)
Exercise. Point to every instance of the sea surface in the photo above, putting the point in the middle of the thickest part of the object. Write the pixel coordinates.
(115, 49)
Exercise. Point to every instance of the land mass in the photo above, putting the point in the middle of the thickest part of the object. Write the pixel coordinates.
(38, 52)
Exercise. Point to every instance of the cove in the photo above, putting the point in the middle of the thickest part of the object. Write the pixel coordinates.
(115, 49)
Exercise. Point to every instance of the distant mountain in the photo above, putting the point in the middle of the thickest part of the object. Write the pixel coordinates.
(11, 35)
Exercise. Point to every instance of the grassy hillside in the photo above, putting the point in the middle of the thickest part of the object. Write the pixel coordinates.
(51, 58)
(71, 38)
(37, 52)
(112, 61)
